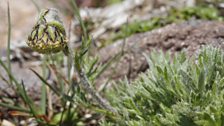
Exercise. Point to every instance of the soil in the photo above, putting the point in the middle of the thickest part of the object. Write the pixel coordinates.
(188, 36)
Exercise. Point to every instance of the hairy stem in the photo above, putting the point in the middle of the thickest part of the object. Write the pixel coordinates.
(87, 87)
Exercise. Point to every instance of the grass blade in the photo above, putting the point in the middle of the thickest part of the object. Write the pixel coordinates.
(14, 107)
(45, 82)
(9, 39)
(76, 12)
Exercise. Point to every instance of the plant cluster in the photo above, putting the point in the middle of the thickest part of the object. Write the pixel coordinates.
(175, 91)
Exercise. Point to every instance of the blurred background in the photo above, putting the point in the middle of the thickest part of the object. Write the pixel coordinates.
(107, 21)
(24, 14)
(112, 13)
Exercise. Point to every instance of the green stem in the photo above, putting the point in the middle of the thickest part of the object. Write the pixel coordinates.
(84, 80)
(9, 39)
(76, 11)
(43, 87)
(86, 86)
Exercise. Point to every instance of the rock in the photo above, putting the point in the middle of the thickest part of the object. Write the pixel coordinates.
(188, 36)
(23, 73)
(7, 123)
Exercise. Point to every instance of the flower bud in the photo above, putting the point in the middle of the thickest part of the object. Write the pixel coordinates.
(48, 35)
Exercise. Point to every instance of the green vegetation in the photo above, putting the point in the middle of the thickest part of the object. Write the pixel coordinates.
(174, 15)
(109, 2)
(174, 92)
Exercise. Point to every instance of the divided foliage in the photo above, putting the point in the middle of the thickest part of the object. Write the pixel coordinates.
(175, 91)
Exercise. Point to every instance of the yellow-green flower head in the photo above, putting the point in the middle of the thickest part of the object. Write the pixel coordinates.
(48, 35)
